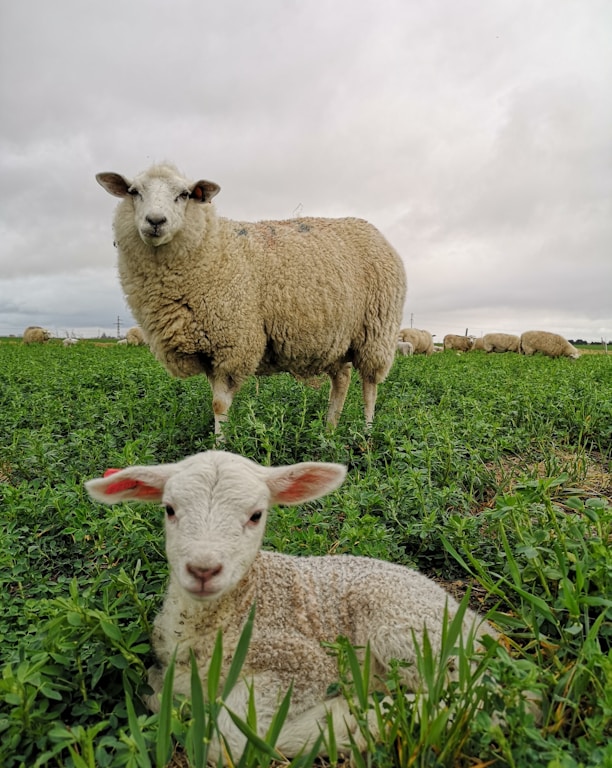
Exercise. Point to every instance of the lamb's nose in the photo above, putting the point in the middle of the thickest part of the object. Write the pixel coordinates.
(204, 574)
(156, 221)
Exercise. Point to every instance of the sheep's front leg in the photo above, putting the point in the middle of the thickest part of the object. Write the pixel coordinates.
(369, 388)
(224, 388)
(339, 387)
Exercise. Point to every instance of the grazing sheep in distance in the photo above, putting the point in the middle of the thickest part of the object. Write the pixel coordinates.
(478, 345)
(135, 337)
(216, 505)
(459, 343)
(405, 348)
(230, 299)
(422, 341)
(34, 334)
(501, 342)
(69, 341)
(551, 344)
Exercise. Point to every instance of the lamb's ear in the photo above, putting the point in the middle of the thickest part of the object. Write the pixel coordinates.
(203, 191)
(114, 183)
(303, 482)
(139, 483)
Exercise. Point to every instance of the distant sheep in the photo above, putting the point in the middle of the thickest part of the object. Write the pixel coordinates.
(135, 337)
(70, 341)
(230, 299)
(405, 348)
(422, 341)
(501, 342)
(551, 344)
(478, 345)
(123, 342)
(458, 343)
(216, 505)
(34, 334)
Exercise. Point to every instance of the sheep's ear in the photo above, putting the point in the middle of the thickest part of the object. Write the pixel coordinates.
(138, 483)
(114, 183)
(203, 191)
(302, 482)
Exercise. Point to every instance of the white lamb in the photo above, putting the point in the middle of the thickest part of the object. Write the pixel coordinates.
(458, 343)
(422, 341)
(70, 341)
(230, 299)
(501, 342)
(216, 506)
(34, 334)
(405, 348)
(551, 344)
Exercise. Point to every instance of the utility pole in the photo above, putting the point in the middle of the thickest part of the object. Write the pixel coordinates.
(411, 318)
(118, 327)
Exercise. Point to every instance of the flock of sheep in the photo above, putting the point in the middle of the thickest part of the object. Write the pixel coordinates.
(413, 341)
(230, 299)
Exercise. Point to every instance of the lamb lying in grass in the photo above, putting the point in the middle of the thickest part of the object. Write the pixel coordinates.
(216, 505)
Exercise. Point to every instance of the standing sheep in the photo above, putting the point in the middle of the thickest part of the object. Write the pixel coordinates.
(551, 344)
(422, 341)
(478, 345)
(34, 334)
(230, 299)
(216, 505)
(135, 337)
(501, 342)
(459, 343)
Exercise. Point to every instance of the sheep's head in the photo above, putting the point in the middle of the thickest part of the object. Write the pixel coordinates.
(216, 505)
(160, 197)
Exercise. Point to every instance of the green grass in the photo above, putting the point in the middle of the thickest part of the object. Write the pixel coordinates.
(484, 471)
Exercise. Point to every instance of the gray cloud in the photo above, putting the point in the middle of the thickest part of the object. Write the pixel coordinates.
(475, 135)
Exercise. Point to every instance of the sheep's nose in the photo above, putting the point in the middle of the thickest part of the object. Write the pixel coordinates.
(156, 221)
(204, 574)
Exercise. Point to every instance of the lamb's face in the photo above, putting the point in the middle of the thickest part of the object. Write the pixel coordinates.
(215, 521)
(160, 199)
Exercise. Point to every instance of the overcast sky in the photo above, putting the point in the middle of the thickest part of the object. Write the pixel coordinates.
(475, 134)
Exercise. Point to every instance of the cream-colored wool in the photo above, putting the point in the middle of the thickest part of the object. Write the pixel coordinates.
(458, 343)
(478, 345)
(551, 344)
(34, 334)
(216, 508)
(501, 342)
(230, 299)
(135, 337)
(422, 341)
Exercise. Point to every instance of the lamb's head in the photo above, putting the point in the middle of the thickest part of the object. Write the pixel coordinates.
(160, 199)
(216, 505)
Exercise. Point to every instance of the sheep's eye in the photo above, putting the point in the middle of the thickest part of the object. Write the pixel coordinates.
(183, 196)
(133, 192)
(255, 517)
(169, 510)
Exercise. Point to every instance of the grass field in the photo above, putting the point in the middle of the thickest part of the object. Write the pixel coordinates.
(489, 473)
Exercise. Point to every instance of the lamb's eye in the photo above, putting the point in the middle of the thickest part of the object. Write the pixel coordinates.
(183, 196)
(133, 192)
(255, 517)
(169, 511)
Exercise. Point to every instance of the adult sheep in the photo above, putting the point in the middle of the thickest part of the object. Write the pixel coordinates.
(551, 344)
(458, 343)
(230, 299)
(34, 334)
(135, 337)
(422, 341)
(216, 505)
(501, 342)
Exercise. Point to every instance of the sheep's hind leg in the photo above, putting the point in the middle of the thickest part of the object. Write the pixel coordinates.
(339, 387)
(369, 388)
(224, 389)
